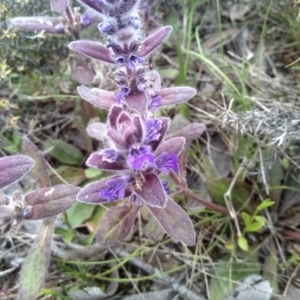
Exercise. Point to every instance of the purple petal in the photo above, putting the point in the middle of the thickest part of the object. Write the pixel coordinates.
(107, 28)
(46, 24)
(100, 161)
(138, 102)
(190, 132)
(154, 40)
(116, 224)
(165, 184)
(86, 20)
(140, 157)
(173, 145)
(153, 128)
(167, 162)
(92, 49)
(136, 200)
(152, 191)
(97, 97)
(13, 168)
(165, 122)
(175, 221)
(122, 93)
(175, 95)
(59, 5)
(115, 189)
(155, 102)
(91, 192)
(96, 130)
(134, 60)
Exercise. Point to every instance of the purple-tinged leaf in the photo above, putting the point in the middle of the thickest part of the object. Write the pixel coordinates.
(45, 24)
(153, 41)
(92, 49)
(39, 171)
(96, 130)
(175, 95)
(173, 145)
(190, 132)
(117, 139)
(36, 264)
(175, 221)
(51, 201)
(98, 160)
(123, 117)
(97, 97)
(152, 191)
(13, 168)
(138, 102)
(91, 192)
(59, 5)
(116, 224)
(114, 114)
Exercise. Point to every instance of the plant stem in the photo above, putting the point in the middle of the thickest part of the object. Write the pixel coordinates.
(208, 204)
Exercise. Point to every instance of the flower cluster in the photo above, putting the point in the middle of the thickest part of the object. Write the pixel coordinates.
(137, 149)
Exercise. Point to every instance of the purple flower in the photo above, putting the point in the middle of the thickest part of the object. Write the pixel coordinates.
(115, 189)
(137, 152)
(130, 53)
(153, 127)
(140, 157)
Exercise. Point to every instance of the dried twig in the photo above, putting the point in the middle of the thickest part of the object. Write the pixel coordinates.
(181, 289)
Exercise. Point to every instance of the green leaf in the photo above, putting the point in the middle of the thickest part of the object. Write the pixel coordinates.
(184, 110)
(261, 220)
(92, 173)
(243, 243)
(253, 227)
(266, 203)
(79, 213)
(72, 175)
(64, 152)
(35, 266)
(169, 73)
(228, 271)
(246, 217)
(67, 234)
(239, 194)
